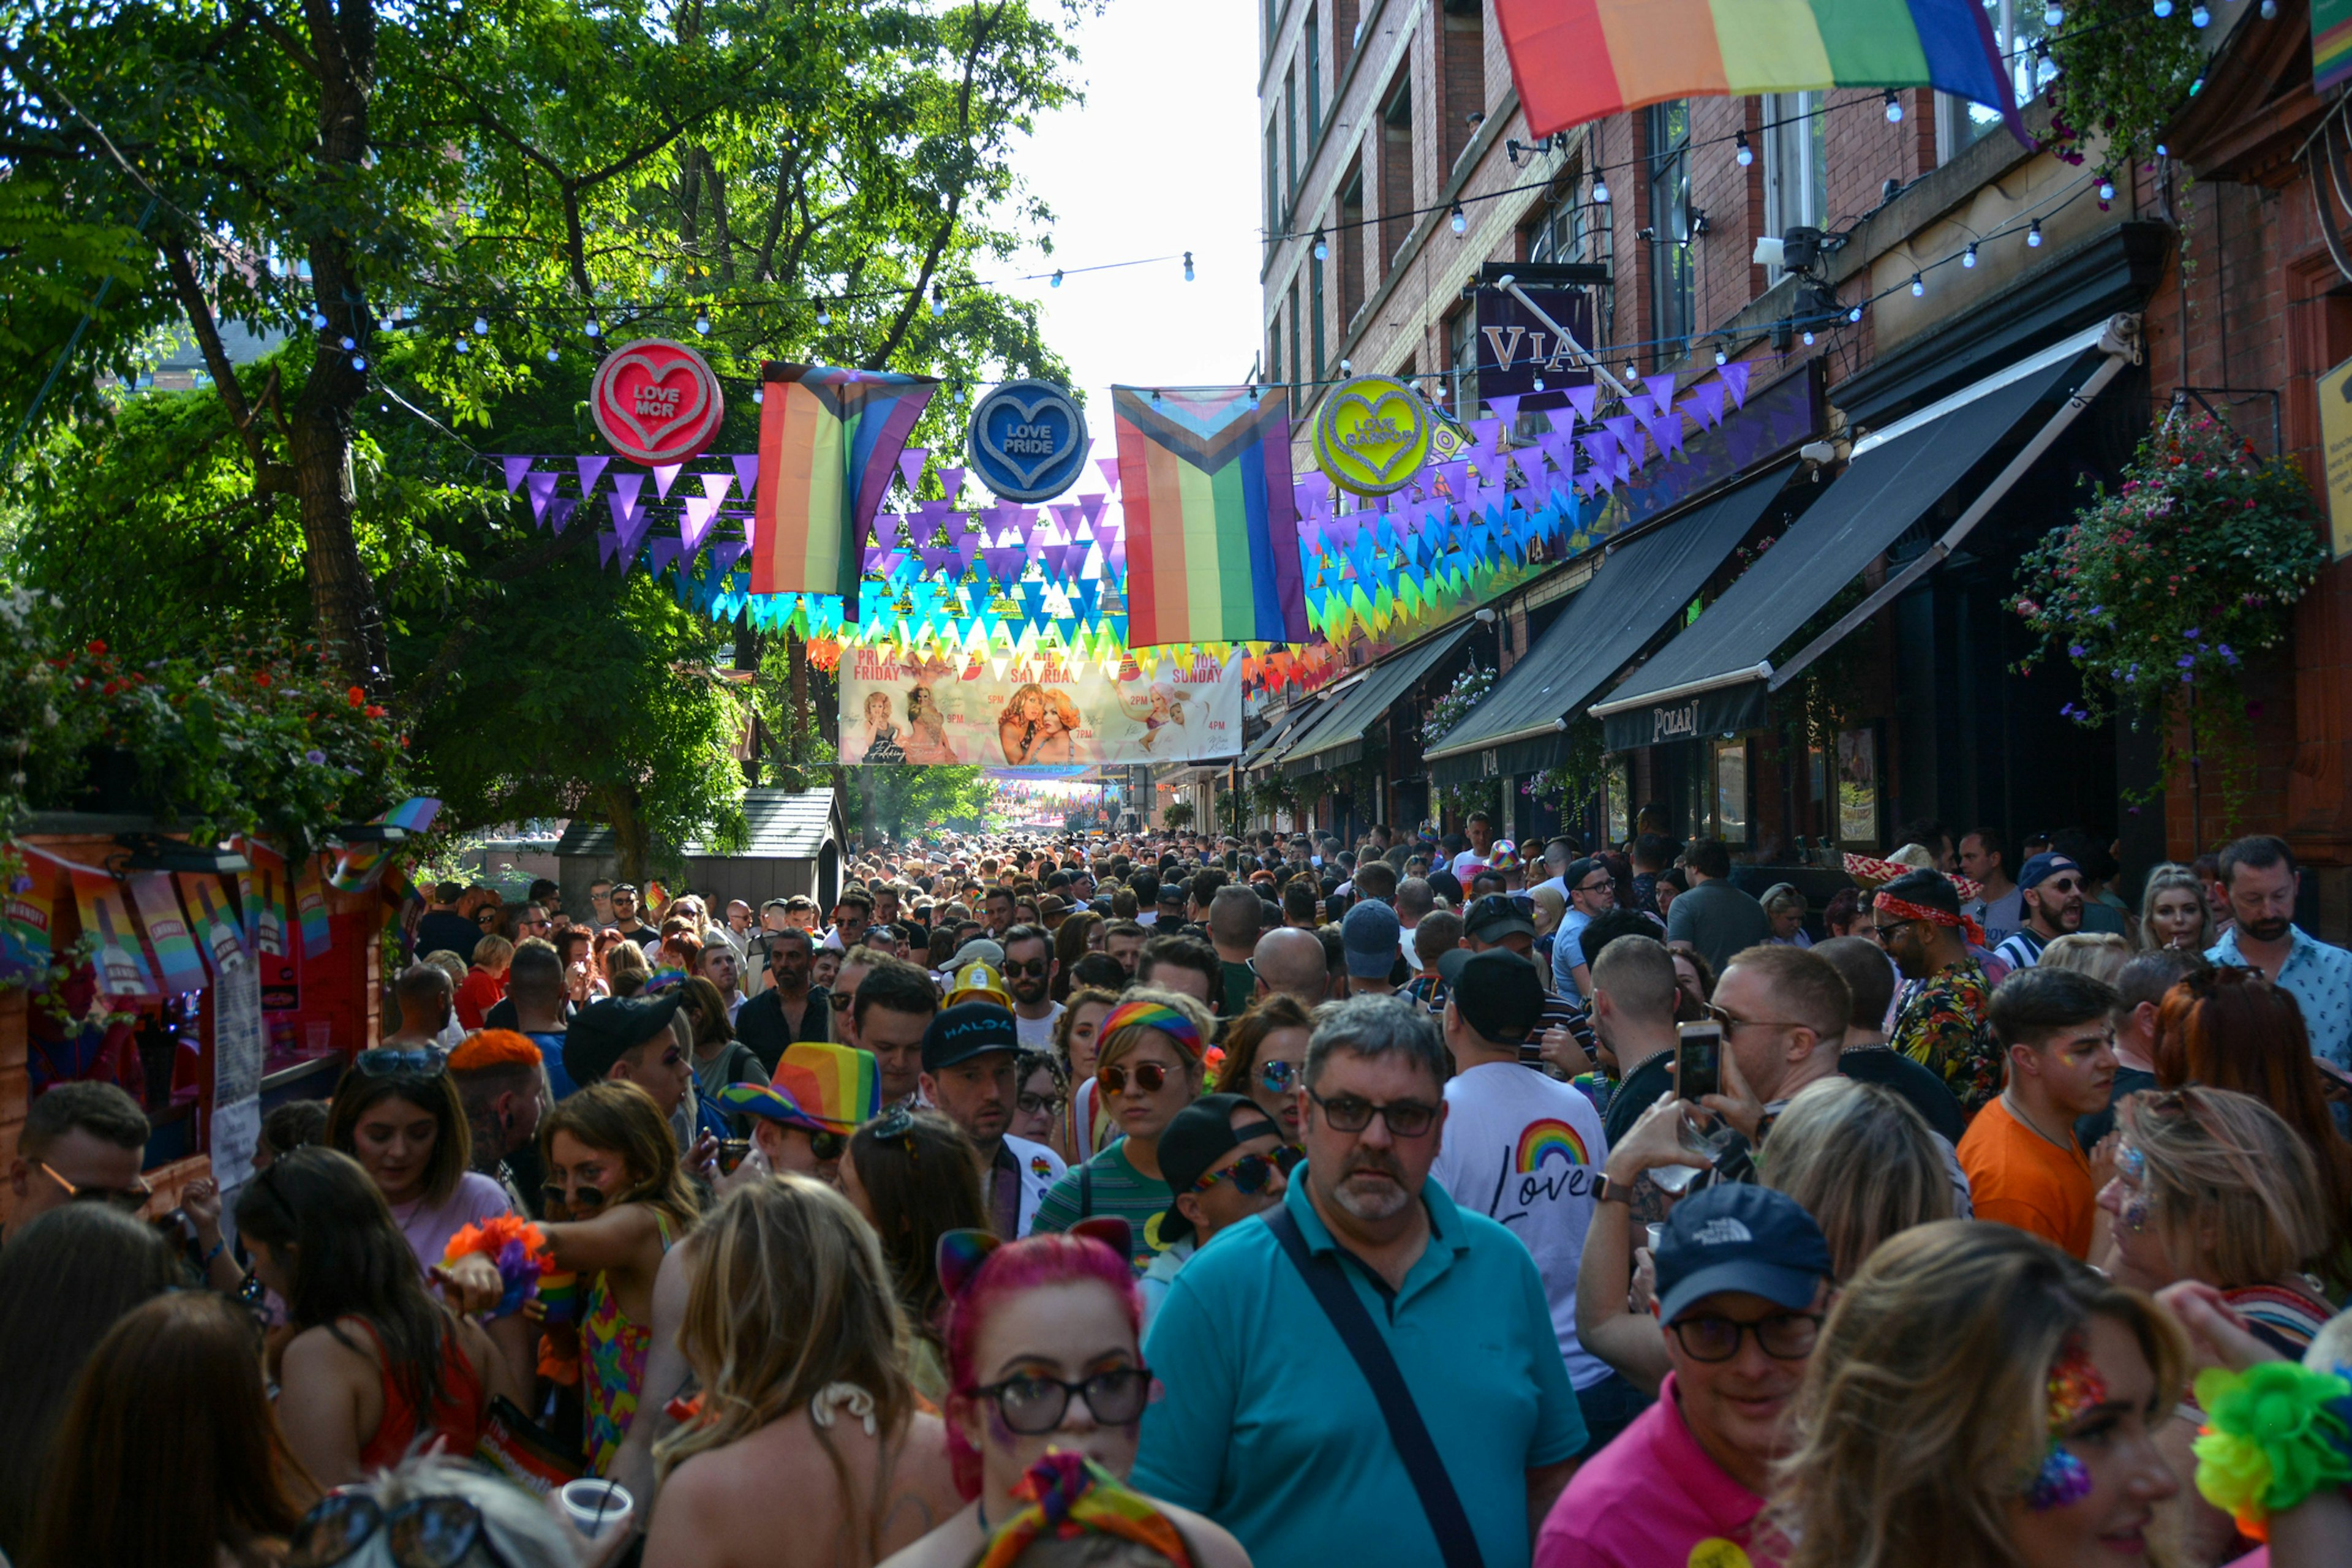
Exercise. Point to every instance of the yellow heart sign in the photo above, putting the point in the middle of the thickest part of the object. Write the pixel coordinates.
(1372, 436)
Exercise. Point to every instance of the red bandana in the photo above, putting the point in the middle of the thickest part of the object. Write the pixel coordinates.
(1902, 908)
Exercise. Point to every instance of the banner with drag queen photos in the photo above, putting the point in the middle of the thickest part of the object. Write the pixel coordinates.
(903, 710)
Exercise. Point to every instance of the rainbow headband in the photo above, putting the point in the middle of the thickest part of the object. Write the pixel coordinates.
(1154, 1016)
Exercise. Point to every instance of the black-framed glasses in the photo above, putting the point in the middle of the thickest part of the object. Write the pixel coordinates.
(1606, 885)
(130, 1199)
(1036, 966)
(1405, 1118)
(1031, 1104)
(423, 1532)
(386, 1061)
(1281, 1077)
(1249, 1174)
(1785, 1336)
(1150, 1078)
(1033, 1403)
(1885, 934)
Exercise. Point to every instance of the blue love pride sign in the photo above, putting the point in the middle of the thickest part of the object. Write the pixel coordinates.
(1028, 440)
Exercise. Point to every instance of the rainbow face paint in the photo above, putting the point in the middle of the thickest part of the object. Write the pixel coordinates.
(2074, 1387)
(2132, 1166)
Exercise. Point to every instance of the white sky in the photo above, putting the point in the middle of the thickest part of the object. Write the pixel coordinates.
(1160, 159)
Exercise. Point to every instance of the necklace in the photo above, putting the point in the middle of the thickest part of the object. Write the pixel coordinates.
(2018, 1111)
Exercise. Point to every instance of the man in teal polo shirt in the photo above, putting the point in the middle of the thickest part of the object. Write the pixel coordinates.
(1269, 1426)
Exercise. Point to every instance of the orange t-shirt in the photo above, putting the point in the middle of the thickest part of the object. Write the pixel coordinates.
(2018, 1177)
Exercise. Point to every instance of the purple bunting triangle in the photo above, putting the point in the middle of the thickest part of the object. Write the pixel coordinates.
(952, 480)
(633, 529)
(724, 556)
(911, 464)
(1090, 507)
(716, 486)
(665, 476)
(515, 468)
(662, 553)
(1506, 409)
(1735, 377)
(560, 510)
(1583, 399)
(1621, 426)
(543, 490)
(1668, 434)
(626, 488)
(888, 526)
(1707, 402)
(591, 470)
(747, 472)
(1662, 391)
(694, 527)
(1110, 467)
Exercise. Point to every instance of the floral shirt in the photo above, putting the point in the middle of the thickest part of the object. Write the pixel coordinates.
(1943, 1027)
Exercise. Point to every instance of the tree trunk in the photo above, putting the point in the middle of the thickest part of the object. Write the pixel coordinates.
(629, 843)
(796, 654)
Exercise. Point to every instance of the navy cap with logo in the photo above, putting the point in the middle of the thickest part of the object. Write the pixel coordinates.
(1735, 1237)
(603, 1032)
(1368, 934)
(1498, 915)
(2041, 868)
(966, 1030)
(1498, 993)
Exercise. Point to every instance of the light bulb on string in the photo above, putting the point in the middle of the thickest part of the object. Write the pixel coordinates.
(1969, 257)
(1721, 358)
(463, 347)
(2163, 8)
(2052, 16)
(481, 327)
(1188, 267)
(938, 301)
(1894, 108)
(823, 316)
(1632, 370)
(2033, 233)
(318, 321)
(1056, 282)
(1741, 151)
(2199, 17)
(1322, 248)
(758, 394)
(1855, 315)
(2107, 189)
(595, 328)
(551, 354)
(1600, 192)
(1808, 337)
(2270, 10)
(1459, 220)
(359, 362)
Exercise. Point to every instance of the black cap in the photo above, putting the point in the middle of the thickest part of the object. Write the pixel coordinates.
(966, 1030)
(1580, 869)
(1494, 917)
(1195, 1139)
(1499, 993)
(602, 1032)
(1740, 1237)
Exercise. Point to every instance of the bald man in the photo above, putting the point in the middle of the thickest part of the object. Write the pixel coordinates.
(1292, 962)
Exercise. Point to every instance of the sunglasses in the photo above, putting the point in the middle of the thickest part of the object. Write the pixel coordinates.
(1406, 1118)
(1033, 1405)
(1280, 1078)
(1249, 1174)
(385, 1061)
(1150, 1078)
(130, 1199)
(1036, 966)
(842, 1001)
(424, 1533)
(574, 1201)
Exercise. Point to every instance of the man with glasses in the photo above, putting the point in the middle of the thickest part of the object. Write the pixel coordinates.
(801, 1122)
(2052, 889)
(1028, 975)
(1917, 919)
(1591, 890)
(1270, 1425)
(2023, 1164)
(1522, 1148)
(969, 1052)
(1225, 1162)
(1743, 1283)
(81, 1142)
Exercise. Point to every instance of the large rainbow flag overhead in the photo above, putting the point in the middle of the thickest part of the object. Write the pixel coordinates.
(1575, 60)
(1211, 525)
(829, 444)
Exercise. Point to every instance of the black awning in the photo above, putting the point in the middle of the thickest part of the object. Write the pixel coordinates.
(1714, 676)
(1638, 590)
(1339, 739)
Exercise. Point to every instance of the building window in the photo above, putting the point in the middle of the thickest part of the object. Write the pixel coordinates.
(2016, 25)
(1290, 144)
(1347, 247)
(1297, 391)
(1462, 74)
(1672, 276)
(1273, 186)
(1315, 312)
(1396, 166)
(1462, 362)
(1314, 77)
(1796, 173)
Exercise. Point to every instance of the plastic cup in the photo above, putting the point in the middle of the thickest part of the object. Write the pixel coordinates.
(594, 1507)
(1657, 1234)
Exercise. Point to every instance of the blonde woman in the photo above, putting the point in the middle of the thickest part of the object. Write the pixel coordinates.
(927, 729)
(626, 969)
(1785, 907)
(1862, 1164)
(881, 735)
(799, 1344)
(2173, 911)
(1979, 1399)
(2100, 954)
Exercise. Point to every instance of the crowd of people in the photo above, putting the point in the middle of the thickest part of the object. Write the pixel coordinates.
(1203, 1200)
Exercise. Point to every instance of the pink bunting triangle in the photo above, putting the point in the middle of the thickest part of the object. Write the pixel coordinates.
(591, 470)
(665, 476)
(1735, 377)
(515, 468)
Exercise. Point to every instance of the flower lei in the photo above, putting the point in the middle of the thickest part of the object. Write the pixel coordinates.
(2274, 1434)
(516, 1247)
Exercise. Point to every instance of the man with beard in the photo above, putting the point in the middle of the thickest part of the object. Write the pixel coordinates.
(1270, 1424)
(1029, 977)
(2052, 888)
(969, 1052)
(2257, 876)
(791, 1009)
(1916, 919)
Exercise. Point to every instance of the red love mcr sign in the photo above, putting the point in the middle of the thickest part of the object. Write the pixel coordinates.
(656, 402)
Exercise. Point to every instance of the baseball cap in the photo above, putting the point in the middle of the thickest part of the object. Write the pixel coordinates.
(980, 949)
(978, 981)
(1173, 894)
(1196, 1138)
(602, 1032)
(966, 1030)
(1369, 932)
(2041, 868)
(1499, 993)
(1737, 1237)
(818, 1087)
(1496, 916)
(1580, 869)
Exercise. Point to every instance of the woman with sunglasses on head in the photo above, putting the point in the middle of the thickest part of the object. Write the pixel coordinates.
(375, 1363)
(1045, 1352)
(1266, 1057)
(798, 1341)
(169, 1456)
(439, 1511)
(1041, 1091)
(1077, 1038)
(911, 1176)
(616, 1202)
(398, 1113)
(1147, 1069)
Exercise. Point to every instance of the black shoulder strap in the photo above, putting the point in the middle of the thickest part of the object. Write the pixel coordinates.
(1414, 1446)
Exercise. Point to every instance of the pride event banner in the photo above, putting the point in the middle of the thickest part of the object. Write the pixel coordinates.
(898, 709)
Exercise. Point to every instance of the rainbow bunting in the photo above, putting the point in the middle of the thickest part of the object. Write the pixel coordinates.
(310, 902)
(1212, 524)
(829, 445)
(1578, 61)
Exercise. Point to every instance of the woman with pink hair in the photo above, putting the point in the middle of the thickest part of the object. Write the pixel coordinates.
(1043, 1354)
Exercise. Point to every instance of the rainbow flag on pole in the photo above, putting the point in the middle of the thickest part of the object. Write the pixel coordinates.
(829, 442)
(1576, 60)
(1212, 528)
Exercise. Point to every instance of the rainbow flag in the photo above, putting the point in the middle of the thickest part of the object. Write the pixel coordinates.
(1576, 60)
(1212, 527)
(2331, 43)
(829, 442)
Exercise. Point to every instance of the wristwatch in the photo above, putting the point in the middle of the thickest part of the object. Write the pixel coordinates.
(1605, 1191)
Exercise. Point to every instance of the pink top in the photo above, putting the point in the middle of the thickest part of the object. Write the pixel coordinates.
(429, 1228)
(1653, 1499)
